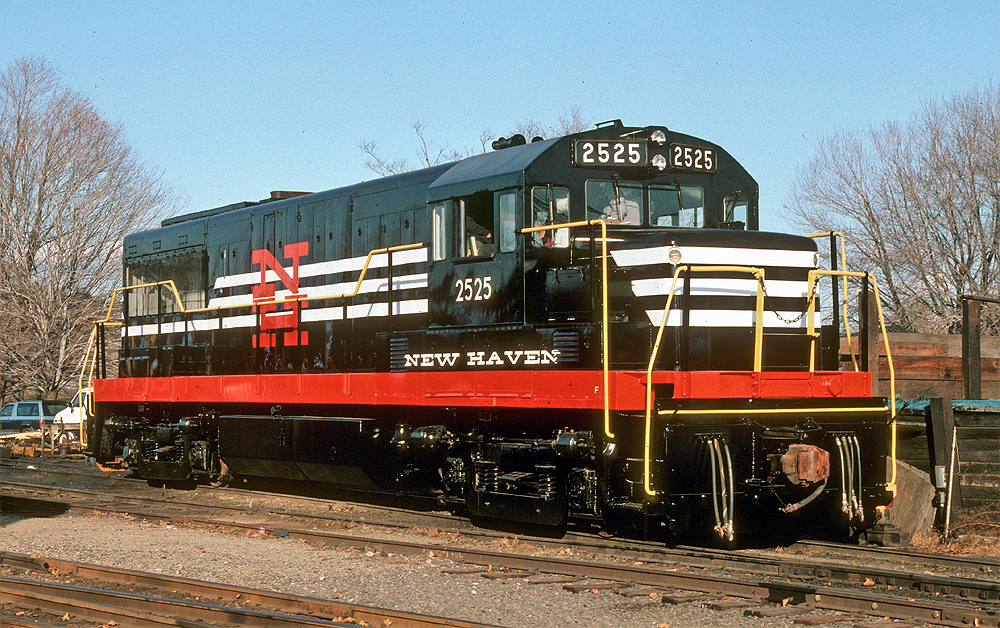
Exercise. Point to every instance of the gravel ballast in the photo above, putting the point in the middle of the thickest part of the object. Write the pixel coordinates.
(360, 576)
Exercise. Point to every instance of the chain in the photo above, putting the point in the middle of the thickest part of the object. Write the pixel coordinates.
(809, 302)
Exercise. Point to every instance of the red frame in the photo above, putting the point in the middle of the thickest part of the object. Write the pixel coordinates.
(579, 390)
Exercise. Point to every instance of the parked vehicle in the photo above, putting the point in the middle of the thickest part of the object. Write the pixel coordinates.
(25, 416)
(68, 420)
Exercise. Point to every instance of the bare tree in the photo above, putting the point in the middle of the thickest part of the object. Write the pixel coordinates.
(920, 205)
(430, 154)
(427, 152)
(569, 122)
(70, 189)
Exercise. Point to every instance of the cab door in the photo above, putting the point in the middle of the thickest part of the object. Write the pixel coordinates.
(475, 277)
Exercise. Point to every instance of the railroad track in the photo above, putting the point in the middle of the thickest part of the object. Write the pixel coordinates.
(915, 591)
(786, 565)
(183, 602)
(766, 597)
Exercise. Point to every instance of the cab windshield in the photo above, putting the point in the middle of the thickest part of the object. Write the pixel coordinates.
(631, 203)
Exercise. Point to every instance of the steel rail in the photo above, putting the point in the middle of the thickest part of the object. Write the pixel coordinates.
(916, 558)
(47, 598)
(848, 599)
(821, 597)
(295, 610)
(937, 584)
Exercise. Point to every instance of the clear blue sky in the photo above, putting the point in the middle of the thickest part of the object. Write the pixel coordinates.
(230, 100)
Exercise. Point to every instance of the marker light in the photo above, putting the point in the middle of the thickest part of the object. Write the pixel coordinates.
(674, 255)
(659, 161)
(658, 136)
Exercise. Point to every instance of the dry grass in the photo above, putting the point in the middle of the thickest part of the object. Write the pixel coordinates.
(434, 533)
(973, 532)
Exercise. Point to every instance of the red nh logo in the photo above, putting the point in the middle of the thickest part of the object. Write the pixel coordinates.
(287, 318)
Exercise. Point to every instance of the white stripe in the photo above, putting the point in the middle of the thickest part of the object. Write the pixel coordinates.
(179, 327)
(367, 310)
(234, 322)
(729, 318)
(309, 315)
(416, 306)
(229, 302)
(352, 264)
(143, 330)
(715, 255)
(719, 287)
(312, 315)
(368, 286)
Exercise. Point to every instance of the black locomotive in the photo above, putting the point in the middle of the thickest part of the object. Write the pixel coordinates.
(586, 327)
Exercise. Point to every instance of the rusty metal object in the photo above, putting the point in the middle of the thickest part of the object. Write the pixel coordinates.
(805, 465)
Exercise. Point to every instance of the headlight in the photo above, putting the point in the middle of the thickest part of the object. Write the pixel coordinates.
(674, 255)
(660, 162)
(658, 136)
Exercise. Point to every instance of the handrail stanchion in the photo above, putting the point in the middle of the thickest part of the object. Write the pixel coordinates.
(605, 336)
(758, 344)
(843, 302)
(885, 340)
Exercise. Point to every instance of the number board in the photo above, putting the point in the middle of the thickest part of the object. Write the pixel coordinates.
(692, 158)
(609, 153)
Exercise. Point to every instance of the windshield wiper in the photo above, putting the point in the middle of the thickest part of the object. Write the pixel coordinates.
(729, 210)
(618, 196)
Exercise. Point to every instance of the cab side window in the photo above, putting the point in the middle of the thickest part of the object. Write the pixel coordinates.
(550, 206)
(507, 202)
(468, 226)
(735, 211)
(472, 225)
(439, 247)
(8, 410)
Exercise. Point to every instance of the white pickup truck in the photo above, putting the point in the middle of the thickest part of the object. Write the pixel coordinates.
(66, 425)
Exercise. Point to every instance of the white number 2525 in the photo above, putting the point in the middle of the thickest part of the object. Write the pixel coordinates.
(474, 289)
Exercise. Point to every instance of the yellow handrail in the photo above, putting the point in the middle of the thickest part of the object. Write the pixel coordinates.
(605, 338)
(758, 341)
(742, 411)
(813, 274)
(79, 383)
(843, 264)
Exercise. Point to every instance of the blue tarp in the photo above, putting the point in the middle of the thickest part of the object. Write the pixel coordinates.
(962, 405)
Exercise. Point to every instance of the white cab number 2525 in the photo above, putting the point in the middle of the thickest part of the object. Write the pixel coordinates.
(474, 289)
